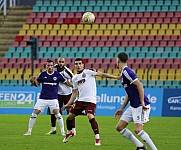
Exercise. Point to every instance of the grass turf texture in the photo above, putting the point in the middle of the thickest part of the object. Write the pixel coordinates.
(164, 131)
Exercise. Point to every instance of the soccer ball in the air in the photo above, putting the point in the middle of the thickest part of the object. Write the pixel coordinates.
(88, 18)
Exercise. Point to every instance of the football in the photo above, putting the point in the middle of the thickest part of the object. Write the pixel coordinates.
(88, 18)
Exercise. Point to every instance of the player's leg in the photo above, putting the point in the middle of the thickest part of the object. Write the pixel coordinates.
(39, 107)
(143, 117)
(121, 128)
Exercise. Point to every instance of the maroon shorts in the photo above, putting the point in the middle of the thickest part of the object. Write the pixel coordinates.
(80, 106)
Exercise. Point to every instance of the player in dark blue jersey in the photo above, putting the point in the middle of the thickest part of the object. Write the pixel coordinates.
(49, 94)
(139, 108)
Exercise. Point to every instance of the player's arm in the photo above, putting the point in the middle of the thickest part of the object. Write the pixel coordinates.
(34, 81)
(72, 98)
(120, 111)
(141, 92)
(68, 83)
(106, 75)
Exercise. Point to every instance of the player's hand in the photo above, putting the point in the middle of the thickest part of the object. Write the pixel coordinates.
(118, 113)
(34, 81)
(65, 107)
(145, 108)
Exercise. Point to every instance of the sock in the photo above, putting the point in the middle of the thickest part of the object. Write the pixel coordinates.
(145, 137)
(69, 124)
(97, 136)
(53, 120)
(73, 123)
(32, 122)
(94, 126)
(129, 135)
(60, 121)
(53, 128)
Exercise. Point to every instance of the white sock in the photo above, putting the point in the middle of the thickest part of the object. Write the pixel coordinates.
(145, 137)
(129, 135)
(32, 122)
(53, 128)
(73, 130)
(60, 122)
(97, 136)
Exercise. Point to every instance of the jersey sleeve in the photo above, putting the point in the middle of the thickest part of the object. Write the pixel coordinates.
(130, 75)
(90, 72)
(39, 78)
(62, 78)
(67, 73)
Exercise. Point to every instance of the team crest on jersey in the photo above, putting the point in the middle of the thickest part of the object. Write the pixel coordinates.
(54, 78)
(83, 75)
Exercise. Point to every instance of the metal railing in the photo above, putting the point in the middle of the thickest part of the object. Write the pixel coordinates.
(4, 5)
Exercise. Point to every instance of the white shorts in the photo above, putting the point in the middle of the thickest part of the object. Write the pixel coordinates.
(41, 104)
(137, 115)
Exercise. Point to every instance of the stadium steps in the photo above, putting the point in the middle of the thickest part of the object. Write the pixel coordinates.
(10, 25)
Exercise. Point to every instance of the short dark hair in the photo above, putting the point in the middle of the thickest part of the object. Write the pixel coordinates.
(123, 57)
(49, 61)
(78, 59)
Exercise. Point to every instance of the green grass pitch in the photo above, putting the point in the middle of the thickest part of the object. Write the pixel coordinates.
(164, 131)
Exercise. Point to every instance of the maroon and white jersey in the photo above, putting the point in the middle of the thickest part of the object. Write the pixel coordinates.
(86, 84)
(64, 89)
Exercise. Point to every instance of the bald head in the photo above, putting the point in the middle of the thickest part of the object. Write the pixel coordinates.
(61, 62)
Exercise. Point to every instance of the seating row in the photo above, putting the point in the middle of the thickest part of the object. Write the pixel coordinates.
(117, 8)
(99, 49)
(120, 20)
(106, 14)
(102, 44)
(106, 3)
(99, 26)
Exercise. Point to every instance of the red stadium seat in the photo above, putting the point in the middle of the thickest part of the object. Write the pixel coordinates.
(44, 20)
(96, 38)
(48, 15)
(32, 15)
(52, 20)
(104, 38)
(109, 15)
(58, 38)
(81, 38)
(55, 15)
(116, 44)
(70, 15)
(93, 43)
(88, 38)
(78, 15)
(139, 15)
(78, 44)
(73, 38)
(116, 15)
(113, 20)
(65, 38)
(70, 43)
(19, 38)
(101, 15)
(124, 15)
(40, 15)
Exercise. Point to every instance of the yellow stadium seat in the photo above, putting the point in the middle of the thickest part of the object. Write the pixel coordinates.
(56, 26)
(92, 32)
(69, 32)
(122, 32)
(116, 72)
(30, 32)
(178, 26)
(145, 32)
(107, 32)
(164, 26)
(156, 26)
(71, 26)
(87, 26)
(101, 70)
(74, 71)
(130, 32)
(169, 32)
(153, 32)
(27, 76)
(79, 27)
(76, 32)
(138, 32)
(171, 72)
(98, 78)
(171, 77)
(20, 71)
(144, 77)
(110, 26)
(95, 26)
(140, 71)
(154, 77)
(26, 27)
(103, 26)
(12, 71)
(64, 27)
(172, 26)
(161, 32)
(17, 76)
(33, 26)
(178, 72)
(178, 77)
(149, 26)
(22, 32)
(163, 71)
(133, 26)
(99, 32)
(38, 32)
(125, 26)
(163, 77)
(2, 77)
(110, 71)
(155, 71)
(114, 32)
(141, 26)
(45, 32)
(84, 32)
(48, 27)
(28, 71)
(41, 26)
(140, 76)
(9, 76)
(61, 32)
(5, 71)
(117, 26)
(176, 32)
(53, 32)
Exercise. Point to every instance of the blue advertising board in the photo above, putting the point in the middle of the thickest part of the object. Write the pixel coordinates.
(172, 103)
(20, 100)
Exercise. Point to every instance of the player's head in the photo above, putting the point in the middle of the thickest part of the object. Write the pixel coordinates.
(50, 66)
(79, 65)
(122, 59)
(61, 62)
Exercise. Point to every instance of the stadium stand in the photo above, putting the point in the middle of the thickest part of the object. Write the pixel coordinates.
(149, 31)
